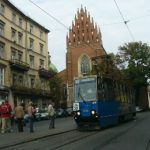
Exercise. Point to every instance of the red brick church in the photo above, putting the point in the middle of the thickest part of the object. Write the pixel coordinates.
(83, 41)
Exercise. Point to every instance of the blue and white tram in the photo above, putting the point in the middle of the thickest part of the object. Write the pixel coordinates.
(100, 102)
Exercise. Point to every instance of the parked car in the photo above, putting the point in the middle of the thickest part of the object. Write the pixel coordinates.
(61, 112)
(138, 109)
(69, 111)
(43, 114)
(37, 116)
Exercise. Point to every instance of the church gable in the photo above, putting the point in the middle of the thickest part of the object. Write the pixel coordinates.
(84, 31)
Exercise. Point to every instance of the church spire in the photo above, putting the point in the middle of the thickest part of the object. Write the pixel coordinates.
(84, 30)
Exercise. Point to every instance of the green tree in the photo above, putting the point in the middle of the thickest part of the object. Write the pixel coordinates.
(106, 65)
(134, 60)
(55, 86)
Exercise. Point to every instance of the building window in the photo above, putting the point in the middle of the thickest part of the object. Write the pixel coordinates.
(16, 54)
(2, 9)
(14, 79)
(31, 61)
(20, 56)
(41, 48)
(20, 22)
(41, 34)
(20, 80)
(31, 43)
(32, 82)
(85, 65)
(31, 28)
(20, 35)
(13, 35)
(42, 82)
(1, 28)
(1, 75)
(2, 46)
(41, 63)
(14, 18)
(13, 54)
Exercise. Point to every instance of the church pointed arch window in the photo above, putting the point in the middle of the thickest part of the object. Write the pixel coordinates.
(85, 65)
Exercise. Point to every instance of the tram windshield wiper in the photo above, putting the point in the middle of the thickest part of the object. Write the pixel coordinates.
(80, 95)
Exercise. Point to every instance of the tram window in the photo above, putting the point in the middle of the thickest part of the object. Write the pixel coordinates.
(105, 91)
(124, 93)
(116, 91)
(100, 94)
(132, 96)
(121, 93)
(109, 89)
(128, 94)
(100, 89)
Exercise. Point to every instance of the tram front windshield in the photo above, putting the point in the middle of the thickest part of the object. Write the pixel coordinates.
(85, 89)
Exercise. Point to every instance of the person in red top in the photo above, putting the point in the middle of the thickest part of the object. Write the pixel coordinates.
(6, 110)
(0, 116)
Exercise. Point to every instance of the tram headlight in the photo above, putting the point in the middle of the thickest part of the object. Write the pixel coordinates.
(93, 112)
(78, 113)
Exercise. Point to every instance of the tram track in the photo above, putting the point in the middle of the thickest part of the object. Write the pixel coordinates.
(65, 138)
(79, 136)
(34, 139)
(112, 136)
(62, 140)
(75, 140)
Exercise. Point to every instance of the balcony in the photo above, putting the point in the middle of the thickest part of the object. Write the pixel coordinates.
(46, 73)
(4, 89)
(19, 65)
(35, 92)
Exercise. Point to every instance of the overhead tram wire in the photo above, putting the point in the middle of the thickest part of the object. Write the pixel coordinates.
(125, 21)
(49, 15)
(58, 21)
(54, 18)
(62, 24)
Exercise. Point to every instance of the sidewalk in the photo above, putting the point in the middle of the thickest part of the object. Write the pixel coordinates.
(41, 130)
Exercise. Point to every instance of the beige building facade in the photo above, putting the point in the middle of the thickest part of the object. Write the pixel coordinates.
(24, 58)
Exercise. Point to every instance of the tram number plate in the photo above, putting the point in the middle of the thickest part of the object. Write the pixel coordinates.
(85, 110)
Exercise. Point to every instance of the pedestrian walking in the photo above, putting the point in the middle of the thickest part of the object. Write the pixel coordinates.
(6, 110)
(19, 112)
(31, 112)
(51, 113)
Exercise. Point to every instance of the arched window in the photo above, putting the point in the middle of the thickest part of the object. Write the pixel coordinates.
(85, 65)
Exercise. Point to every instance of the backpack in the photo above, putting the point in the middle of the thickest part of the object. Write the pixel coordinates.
(5, 109)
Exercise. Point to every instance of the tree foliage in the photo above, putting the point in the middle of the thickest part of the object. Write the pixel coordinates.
(55, 86)
(134, 60)
(106, 65)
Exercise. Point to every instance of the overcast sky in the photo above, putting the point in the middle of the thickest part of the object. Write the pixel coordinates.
(104, 12)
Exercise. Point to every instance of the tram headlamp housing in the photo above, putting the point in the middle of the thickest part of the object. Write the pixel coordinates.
(78, 113)
(93, 112)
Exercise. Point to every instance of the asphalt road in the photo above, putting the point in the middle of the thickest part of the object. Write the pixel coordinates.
(132, 135)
